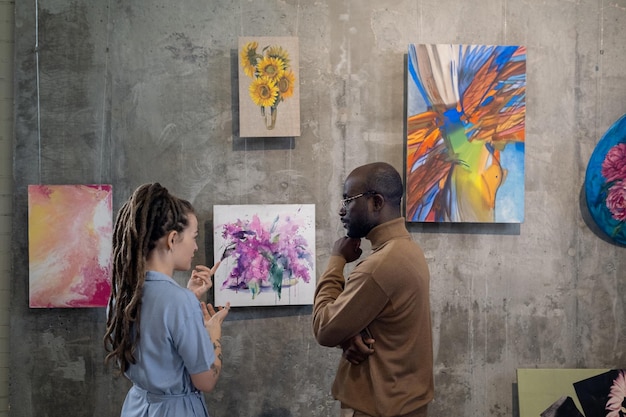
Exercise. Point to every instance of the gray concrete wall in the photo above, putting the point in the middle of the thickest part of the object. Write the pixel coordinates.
(126, 92)
(6, 191)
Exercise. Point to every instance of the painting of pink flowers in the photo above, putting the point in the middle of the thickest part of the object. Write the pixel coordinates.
(617, 396)
(69, 245)
(603, 395)
(605, 183)
(267, 254)
(572, 392)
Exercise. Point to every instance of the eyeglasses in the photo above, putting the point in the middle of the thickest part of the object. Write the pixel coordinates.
(345, 201)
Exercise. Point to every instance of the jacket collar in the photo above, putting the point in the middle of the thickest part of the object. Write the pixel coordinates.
(386, 231)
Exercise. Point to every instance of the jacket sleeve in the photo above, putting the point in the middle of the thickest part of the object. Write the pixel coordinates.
(342, 309)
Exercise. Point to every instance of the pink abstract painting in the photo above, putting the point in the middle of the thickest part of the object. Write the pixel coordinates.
(69, 245)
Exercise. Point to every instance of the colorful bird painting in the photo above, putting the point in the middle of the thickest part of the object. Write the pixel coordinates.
(465, 133)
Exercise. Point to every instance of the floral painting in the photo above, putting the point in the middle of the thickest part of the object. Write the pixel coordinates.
(603, 395)
(69, 245)
(267, 254)
(605, 182)
(465, 127)
(563, 392)
(269, 94)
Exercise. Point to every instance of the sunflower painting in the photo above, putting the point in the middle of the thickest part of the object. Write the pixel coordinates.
(269, 98)
(465, 129)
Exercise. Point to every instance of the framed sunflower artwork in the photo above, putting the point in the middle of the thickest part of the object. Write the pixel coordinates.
(269, 93)
(465, 130)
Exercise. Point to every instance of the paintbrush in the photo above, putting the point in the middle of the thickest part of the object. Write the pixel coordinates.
(228, 250)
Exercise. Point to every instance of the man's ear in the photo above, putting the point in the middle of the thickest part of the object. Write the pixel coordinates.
(379, 201)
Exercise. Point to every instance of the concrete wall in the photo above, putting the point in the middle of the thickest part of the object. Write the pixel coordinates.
(6, 191)
(138, 91)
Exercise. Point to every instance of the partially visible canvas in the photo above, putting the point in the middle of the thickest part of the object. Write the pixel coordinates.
(605, 183)
(69, 245)
(465, 127)
(603, 395)
(269, 87)
(267, 254)
(540, 389)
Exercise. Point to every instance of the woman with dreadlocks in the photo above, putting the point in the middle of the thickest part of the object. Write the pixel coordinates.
(159, 335)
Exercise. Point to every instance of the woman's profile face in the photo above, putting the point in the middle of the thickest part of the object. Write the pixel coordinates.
(186, 246)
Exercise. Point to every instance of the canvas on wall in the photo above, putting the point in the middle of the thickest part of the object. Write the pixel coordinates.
(544, 390)
(603, 395)
(465, 127)
(605, 182)
(269, 92)
(571, 392)
(267, 254)
(70, 229)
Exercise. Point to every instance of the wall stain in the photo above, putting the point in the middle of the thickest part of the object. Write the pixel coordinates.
(183, 49)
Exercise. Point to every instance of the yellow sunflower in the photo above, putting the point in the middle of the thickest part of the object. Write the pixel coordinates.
(249, 58)
(263, 92)
(286, 84)
(277, 51)
(272, 68)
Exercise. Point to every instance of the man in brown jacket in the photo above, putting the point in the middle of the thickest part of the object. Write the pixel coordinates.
(380, 314)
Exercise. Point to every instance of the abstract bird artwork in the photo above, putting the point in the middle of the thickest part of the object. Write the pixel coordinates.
(465, 130)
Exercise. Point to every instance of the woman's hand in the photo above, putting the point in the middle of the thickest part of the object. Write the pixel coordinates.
(213, 319)
(205, 381)
(200, 281)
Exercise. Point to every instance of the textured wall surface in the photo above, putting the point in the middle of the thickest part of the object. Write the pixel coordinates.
(6, 191)
(127, 92)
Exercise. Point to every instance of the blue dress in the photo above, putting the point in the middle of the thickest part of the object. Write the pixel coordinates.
(173, 344)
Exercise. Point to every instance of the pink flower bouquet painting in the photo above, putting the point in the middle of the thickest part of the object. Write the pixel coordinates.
(267, 254)
(603, 395)
(605, 182)
(69, 245)
(572, 392)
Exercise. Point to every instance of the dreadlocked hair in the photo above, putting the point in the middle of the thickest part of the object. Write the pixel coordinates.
(148, 215)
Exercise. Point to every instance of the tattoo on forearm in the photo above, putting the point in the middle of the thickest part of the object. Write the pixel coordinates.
(215, 369)
(217, 344)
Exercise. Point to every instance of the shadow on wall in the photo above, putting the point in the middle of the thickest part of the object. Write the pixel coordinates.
(275, 412)
(591, 224)
(512, 229)
(514, 400)
(265, 312)
(508, 228)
